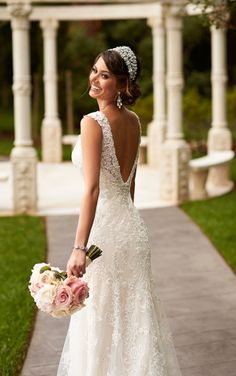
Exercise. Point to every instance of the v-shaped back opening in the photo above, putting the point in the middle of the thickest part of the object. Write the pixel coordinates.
(124, 181)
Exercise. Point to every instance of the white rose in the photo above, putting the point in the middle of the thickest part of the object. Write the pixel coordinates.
(45, 297)
(47, 277)
(36, 272)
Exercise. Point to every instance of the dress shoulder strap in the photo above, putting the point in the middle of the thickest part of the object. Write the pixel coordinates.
(97, 115)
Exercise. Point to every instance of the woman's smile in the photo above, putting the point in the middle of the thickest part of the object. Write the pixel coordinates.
(95, 88)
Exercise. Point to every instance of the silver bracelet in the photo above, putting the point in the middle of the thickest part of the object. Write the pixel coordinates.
(81, 247)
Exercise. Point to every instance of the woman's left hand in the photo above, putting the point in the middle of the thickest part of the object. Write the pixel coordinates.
(76, 264)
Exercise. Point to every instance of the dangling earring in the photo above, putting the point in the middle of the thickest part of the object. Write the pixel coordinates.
(119, 101)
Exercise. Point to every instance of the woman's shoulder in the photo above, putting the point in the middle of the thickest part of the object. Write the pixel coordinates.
(134, 116)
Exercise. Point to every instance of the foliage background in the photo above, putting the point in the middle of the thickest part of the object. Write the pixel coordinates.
(80, 42)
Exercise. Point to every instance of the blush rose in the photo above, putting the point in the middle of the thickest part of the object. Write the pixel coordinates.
(64, 296)
(79, 288)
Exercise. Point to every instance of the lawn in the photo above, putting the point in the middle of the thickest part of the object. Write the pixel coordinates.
(22, 244)
(216, 217)
(6, 145)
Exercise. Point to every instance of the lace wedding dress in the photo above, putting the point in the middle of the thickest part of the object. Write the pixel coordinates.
(122, 331)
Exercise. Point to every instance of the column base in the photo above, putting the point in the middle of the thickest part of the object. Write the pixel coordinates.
(24, 166)
(156, 136)
(174, 185)
(219, 139)
(51, 141)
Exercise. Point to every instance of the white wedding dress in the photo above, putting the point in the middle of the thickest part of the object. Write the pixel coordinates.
(122, 331)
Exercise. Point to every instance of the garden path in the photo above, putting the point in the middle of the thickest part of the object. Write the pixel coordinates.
(194, 282)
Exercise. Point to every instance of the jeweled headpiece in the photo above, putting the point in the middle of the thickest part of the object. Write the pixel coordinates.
(129, 58)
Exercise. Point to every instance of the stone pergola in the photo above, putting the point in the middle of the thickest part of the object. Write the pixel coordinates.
(167, 149)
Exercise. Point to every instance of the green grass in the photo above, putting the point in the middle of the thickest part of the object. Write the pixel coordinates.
(22, 244)
(6, 145)
(216, 217)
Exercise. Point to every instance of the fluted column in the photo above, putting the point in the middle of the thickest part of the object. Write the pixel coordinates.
(51, 126)
(175, 151)
(23, 155)
(157, 128)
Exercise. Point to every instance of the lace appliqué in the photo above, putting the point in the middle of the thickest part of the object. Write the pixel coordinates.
(123, 329)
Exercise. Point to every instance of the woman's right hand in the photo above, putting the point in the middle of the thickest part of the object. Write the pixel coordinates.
(76, 264)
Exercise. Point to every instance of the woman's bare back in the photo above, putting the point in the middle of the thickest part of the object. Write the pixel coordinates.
(126, 135)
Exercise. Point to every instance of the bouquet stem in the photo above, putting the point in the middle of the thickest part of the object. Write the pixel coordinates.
(92, 253)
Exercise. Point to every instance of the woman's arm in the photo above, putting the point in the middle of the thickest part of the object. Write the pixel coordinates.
(91, 140)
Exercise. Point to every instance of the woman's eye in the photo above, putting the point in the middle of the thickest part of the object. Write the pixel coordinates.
(93, 69)
(105, 76)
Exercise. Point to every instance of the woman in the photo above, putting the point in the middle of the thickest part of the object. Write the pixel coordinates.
(122, 331)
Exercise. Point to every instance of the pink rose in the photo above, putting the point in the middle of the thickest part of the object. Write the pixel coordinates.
(64, 296)
(79, 288)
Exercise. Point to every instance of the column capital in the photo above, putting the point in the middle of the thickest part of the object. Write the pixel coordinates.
(177, 10)
(174, 15)
(49, 26)
(19, 9)
(174, 22)
(214, 28)
(20, 14)
(156, 22)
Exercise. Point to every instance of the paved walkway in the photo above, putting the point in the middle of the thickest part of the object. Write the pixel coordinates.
(195, 284)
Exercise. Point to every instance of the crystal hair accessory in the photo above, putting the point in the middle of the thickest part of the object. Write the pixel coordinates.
(129, 58)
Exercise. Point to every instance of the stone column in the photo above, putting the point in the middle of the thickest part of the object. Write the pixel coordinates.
(157, 128)
(175, 151)
(219, 137)
(51, 126)
(23, 155)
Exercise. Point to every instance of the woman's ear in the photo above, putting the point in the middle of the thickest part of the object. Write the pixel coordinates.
(122, 85)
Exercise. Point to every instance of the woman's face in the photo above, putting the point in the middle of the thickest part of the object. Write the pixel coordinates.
(103, 84)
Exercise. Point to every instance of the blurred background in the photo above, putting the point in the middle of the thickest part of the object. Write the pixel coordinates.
(78, 45)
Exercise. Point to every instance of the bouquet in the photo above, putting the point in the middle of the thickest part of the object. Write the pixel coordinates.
(57, 294)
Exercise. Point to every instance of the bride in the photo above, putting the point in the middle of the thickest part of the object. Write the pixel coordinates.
(122, 331)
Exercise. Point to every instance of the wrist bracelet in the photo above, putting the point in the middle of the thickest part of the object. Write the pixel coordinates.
(81, 247)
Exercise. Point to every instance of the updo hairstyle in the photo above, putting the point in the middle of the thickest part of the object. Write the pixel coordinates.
(117, 66)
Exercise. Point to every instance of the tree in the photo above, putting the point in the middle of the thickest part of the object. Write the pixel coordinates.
(218, 12)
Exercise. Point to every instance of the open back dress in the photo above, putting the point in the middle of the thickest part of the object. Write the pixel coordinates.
(122, 331)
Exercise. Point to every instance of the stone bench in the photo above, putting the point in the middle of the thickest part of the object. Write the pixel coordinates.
(218, 163)
(71, 139)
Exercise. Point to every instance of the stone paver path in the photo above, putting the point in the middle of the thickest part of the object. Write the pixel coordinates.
(195, 284)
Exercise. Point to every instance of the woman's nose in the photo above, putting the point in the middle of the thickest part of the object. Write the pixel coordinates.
(94, 76)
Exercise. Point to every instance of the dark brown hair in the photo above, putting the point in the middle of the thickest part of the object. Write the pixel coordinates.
(117, 66)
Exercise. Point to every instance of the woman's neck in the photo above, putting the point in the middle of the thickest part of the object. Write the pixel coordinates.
(103, 105)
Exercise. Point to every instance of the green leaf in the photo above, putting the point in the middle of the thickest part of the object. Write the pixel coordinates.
(44, 268)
